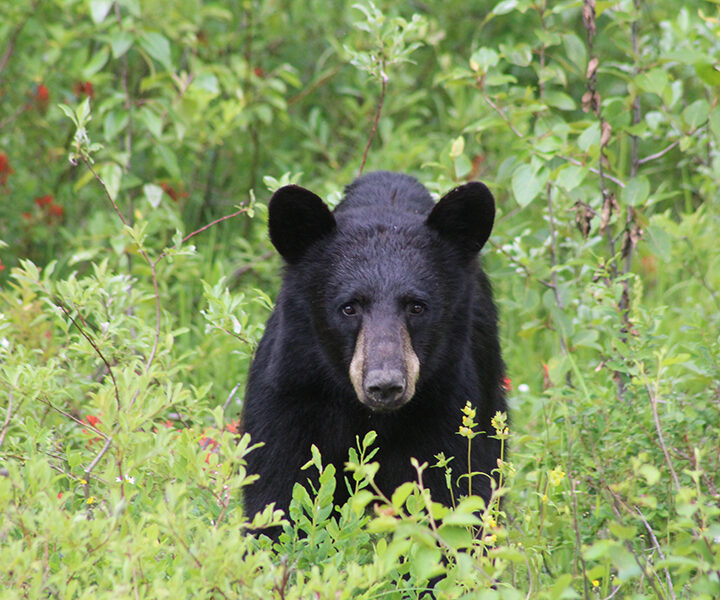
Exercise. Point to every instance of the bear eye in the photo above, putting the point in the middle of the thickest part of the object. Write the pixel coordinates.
(416, 308)
(350, 309)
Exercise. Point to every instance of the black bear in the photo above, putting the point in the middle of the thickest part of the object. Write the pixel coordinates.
(384, 321)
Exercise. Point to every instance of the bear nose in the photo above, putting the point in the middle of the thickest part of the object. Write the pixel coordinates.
(384, 386)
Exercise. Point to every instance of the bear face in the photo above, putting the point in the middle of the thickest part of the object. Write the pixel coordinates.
(381, 293)
(384, 321)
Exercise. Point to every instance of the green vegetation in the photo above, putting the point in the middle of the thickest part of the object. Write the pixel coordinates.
(126, 326)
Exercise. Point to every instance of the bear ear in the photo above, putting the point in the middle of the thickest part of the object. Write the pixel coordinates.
(297, 219)
(465, 216)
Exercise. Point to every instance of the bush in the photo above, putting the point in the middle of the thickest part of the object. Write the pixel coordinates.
(136, 278)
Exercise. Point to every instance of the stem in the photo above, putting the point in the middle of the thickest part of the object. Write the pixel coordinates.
(383, 79)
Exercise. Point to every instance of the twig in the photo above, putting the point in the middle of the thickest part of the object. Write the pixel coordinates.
(553, 258)
(230, 397)
(499, 111)
(7, 418)
(194, 233)
(578, 541)
(659, 551)
(313, 86)
(575, 161)
(658, 429)
(144, 254)
(95, 347)
(13, 37)
(647, 159)
(384, 80)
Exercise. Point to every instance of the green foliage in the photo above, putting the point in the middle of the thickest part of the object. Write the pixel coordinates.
(136, 277)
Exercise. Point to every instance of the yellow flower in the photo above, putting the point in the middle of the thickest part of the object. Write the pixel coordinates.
(468, 410)
(544, 498)
(91, 500)
(83, 482)
(556, 475)
(595, 583)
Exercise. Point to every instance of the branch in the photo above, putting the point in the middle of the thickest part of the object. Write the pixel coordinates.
(384, 79)
(95, 347)
(647, 159)
(7, 418)
(13, 37)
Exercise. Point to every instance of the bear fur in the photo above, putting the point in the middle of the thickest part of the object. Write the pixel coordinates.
(384, 322)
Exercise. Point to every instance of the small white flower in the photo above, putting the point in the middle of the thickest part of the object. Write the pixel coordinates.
(524, 388)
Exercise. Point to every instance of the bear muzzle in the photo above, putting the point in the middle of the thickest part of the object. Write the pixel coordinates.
(384, 367)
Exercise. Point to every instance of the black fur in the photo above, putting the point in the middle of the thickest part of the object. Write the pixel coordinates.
(387, 243)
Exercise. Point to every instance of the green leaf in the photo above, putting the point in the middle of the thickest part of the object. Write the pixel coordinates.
(636, 191)
(111, 174)
(622, 532)
(559, 100)
(120, 42)
(709, 73)
(483, 59)
(696, 114)
(97, 61)
(715, 124)
(115, 121)
(526, 184)
(653, 81)
(153, 193)
(504, 7)
(157, 46)
(576, 51)
(99, 9)
(590, 137)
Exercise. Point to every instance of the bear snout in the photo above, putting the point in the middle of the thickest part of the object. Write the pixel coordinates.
(385, 387)
(384, 368)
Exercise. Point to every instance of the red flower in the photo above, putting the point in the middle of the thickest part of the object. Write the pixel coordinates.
(5, 168)
(27, 216)
(60, 495)
(56, 210)
(84, 88)
(2, 266)
(507, 384)
(234, 427)
(92, 420)
(42, 97)
(46, 200)
(172, 192)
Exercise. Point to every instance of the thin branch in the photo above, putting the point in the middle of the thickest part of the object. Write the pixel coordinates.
(658, 429)
(194, 233)
(578, 541)
(7, 418)
(553, 258)
(13, 37)
(230, 397)
(144, 254)
(97, 459)
(575, 161)
(500, 111)
(315, 85)
(384, 80)
(647, 159)
(659, 551)
(95, 347)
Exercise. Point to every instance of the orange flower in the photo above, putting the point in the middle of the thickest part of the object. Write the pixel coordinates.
(45, 200)
(5, 168)
(56, 210)
(84, 88)
(42, 97)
